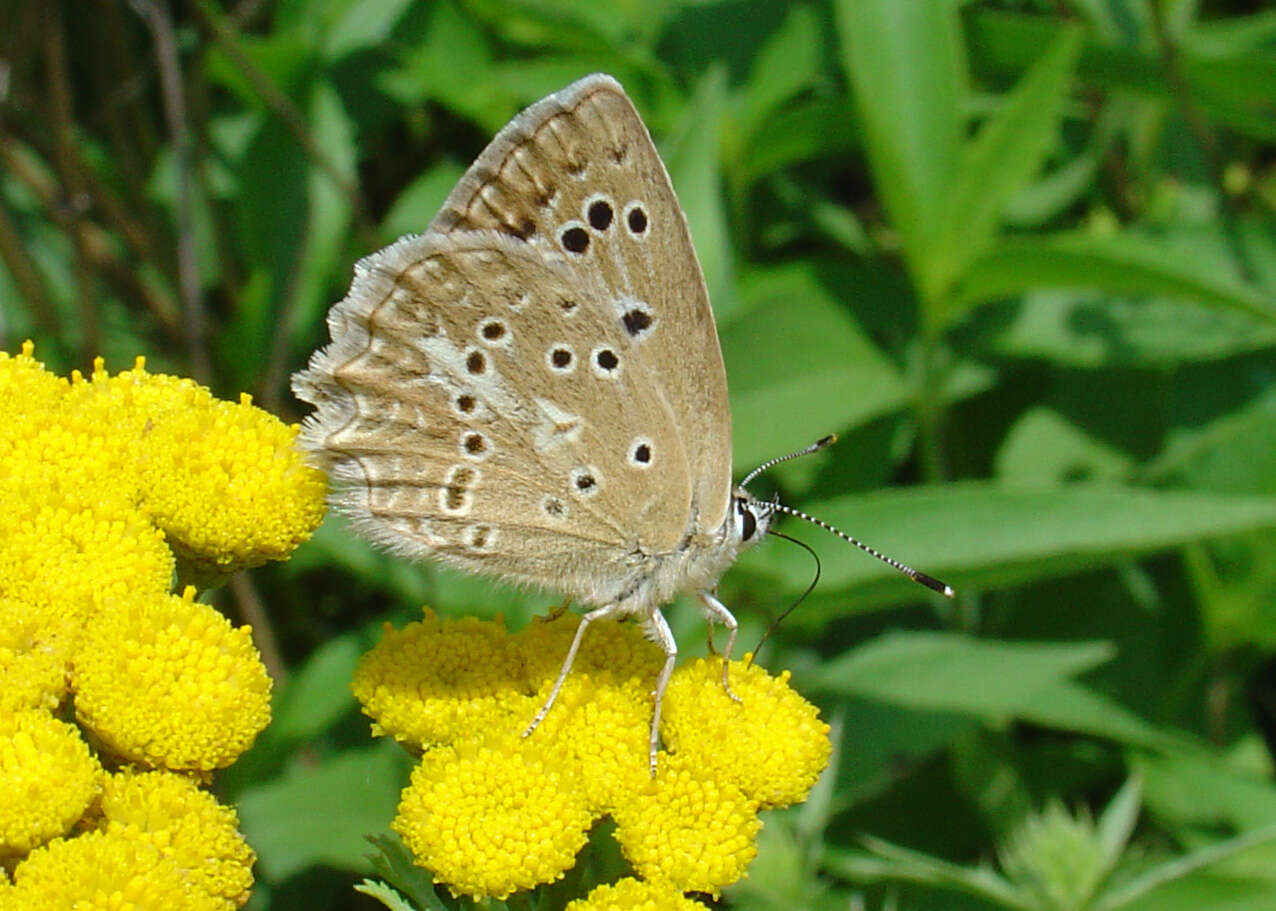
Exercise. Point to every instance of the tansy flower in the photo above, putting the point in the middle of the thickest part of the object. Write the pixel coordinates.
(603, 730)
(771, 744)
(635, 895)
(65, 552)
(688, 828)
(614, 653)
(110, 870)
(168, 682)
(602, 716)
(693, 828)
(490, 820)
(221, 479)
(443, 682)
(187, 823)
(100, 481)
(48, 778)
(33, 662)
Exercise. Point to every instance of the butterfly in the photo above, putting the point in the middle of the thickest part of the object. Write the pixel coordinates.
(533, 388)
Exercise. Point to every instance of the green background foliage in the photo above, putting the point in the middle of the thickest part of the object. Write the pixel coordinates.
(1019, 255)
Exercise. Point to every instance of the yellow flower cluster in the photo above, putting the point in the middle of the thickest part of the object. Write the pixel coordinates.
(635, 895)
(489, 812)
(156, 843)
(108, 486)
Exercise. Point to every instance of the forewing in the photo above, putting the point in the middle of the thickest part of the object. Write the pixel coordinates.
(463, 413)
(578, 174)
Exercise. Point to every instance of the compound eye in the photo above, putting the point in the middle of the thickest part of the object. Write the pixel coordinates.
(748, 522)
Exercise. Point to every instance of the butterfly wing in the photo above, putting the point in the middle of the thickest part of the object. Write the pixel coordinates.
(578, 174)
(466, 410)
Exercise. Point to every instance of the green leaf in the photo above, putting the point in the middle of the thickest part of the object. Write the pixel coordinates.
(779, 402)
(1008, 150)
(788, 63)
(691, 155)
(318, 694)
(952, 672)
(330, 212)
(1119, 264)
(418, 203)
(1066, 705)
(1092, 329)
(384, 894)
(805, 130)
(892, 862)
(395, 864)
(906, 64)
(1044, 448)
(1233, 89)
(1182, 866)
(453, 65)
(1199, 790)
(986, 535)
(1116, 824)
(319, 814)
(364, 25)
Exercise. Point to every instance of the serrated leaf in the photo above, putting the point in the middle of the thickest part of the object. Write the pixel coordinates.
(395, 864)
(384, 894)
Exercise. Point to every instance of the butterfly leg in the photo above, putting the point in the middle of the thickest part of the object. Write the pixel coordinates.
(716, 610)
(601, 613)
(558, 610)
(657, 629)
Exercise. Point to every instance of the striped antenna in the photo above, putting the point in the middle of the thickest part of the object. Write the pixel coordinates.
(929, 581)
(814, 447)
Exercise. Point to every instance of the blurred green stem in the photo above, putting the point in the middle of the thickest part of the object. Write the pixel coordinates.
(929, 408)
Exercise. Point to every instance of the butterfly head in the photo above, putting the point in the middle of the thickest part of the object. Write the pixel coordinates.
(752, 518)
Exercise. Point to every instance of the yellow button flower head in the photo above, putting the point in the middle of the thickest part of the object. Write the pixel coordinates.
(635, 895)
(614, 653)
(771, 744)
(188, 825)
(48, 778)
(688, 829)
(168, 682)
(105, 871)
(602, 730)
(601, 718)
(442, 682)
(488, 820)
(221, 479)
(65, 553)
(482, 797)
(100, 481)
(33, 662)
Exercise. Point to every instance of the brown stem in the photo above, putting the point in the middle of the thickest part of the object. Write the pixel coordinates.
(1199, 126)
(195, 320)
(25, 275)
(253, 612)
(283, 108)
(76, 200)
(99, 247)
